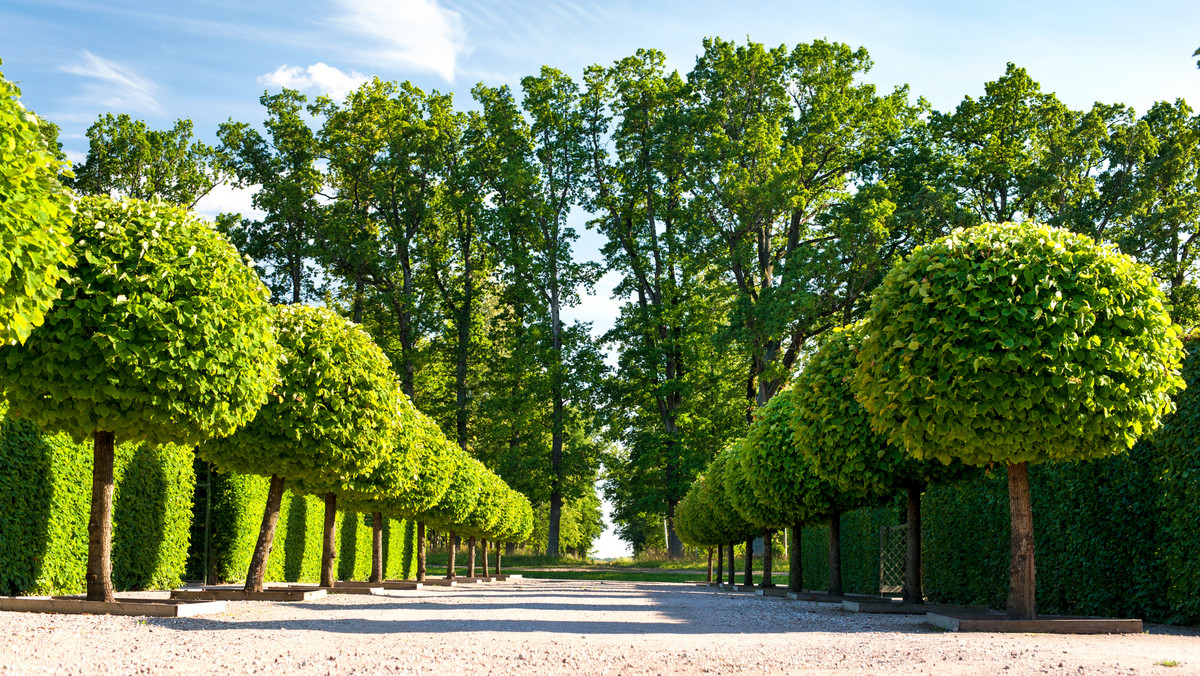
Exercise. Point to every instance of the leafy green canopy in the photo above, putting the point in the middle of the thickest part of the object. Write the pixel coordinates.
(35, 216)
(162, 333)
(332, 417)
(1017, 343)
(489, 505)
(833, 430)
(693, 520)
(727, 524)
(780, 472)
(460, 498)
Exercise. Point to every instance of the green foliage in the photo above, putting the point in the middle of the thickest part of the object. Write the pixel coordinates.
(859, 545)
(162, 333)
(125, 157)
(45, 489)
(459, 500)
(35, 215)
(834, 433)
(1015, 343)
(333, 415)
(781, 474)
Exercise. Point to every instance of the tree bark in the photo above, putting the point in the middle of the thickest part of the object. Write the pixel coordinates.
(768, 557)
(732, 571)
(748, 573)
(329, 542)
(674, 544)
(484, 544)
(450, 561)
(471, 556)
(266, 535)
(376, 547)
(498, 560)
(835, 555)
(555, 519)
(510, 548)
(710, 569)
(720, 562)
(796, 561)
(420, 551)
(912, 557)
(1022, 590)
(99, 562)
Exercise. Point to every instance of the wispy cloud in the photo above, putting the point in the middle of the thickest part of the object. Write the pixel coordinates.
(114, 86)
(319, 78)
(417, 34)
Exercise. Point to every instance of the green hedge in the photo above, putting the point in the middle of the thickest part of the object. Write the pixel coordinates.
(45, 495)
(860, 549)
(237, 509)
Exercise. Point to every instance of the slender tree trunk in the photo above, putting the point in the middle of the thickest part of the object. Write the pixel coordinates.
(768, 553)
(710, 567)
(912, 557)
(484, 543)
(450, 562)
(471, 556)
(674, 544)
(732, 571)
(99, 562)
(266, 535)
(1022, 591)
(796, 561)
(329, 543)
(555, 517)
(498, 548)
(720, 564)
(748, 573)
(376, 547)
(510, 548)
(835, 555)
(420, 551)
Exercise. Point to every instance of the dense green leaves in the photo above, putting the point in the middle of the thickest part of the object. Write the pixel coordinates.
(35, 215)
(1017, 342)
(162, 333)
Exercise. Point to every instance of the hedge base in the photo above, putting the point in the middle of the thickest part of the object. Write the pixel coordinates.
(389, 585)
(134, 607)
(371, 590)
(901, 608)
(823, 597)
(440, 582)
(234, 594)
(777, 592)
(505, 578)
(1044, 624)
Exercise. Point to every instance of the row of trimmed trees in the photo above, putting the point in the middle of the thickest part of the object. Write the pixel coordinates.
(1009, 343)
(131, 321)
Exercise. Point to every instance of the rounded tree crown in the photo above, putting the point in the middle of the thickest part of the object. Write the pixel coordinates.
(35, 220)
(334, 415)
(162, 332)
(1017, 343)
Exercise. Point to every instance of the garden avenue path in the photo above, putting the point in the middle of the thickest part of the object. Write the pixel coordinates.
(561, 626)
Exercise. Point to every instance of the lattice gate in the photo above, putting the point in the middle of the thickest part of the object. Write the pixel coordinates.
(893, 542)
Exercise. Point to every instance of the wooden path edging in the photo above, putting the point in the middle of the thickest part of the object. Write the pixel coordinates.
(132, 607)
(901, 608)
(1044, 624)
(274, 594)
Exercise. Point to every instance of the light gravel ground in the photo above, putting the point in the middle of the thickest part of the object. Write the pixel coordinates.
(561, 626)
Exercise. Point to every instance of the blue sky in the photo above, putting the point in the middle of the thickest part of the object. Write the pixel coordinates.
(210, 60)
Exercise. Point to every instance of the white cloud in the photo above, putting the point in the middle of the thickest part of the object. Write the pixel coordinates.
(319, 78)
(115, 87)
(229, 199)
(416, 34)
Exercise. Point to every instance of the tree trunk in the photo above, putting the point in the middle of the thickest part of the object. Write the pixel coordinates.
(555, 518)
(835, 555)
(99, 562)
(484, 544)
(1022, 591)
(710, 570)
(450, 561)
(768, 553)
(796, 561)
(266, 535)
(376, 547)
(420, 551)
(510, 548)
(912, 557)
(674, 544)
(720, 562)
(328, 544)
(498, 559)
(732, 571)
(471, 556)
(748, 573)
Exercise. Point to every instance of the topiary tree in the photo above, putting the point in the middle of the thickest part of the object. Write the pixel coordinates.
(162, 333)
(834, 432)
(35, 220)
(765, 518)
(1017, 343)
(332, 418)
(782, 477)
(728, 524)
(459, 500)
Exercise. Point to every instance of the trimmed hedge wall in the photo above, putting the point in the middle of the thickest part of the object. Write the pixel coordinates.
(45, 493)
(237, 509)
(860, 549)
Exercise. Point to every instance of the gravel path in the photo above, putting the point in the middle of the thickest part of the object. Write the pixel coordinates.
(562, 626)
